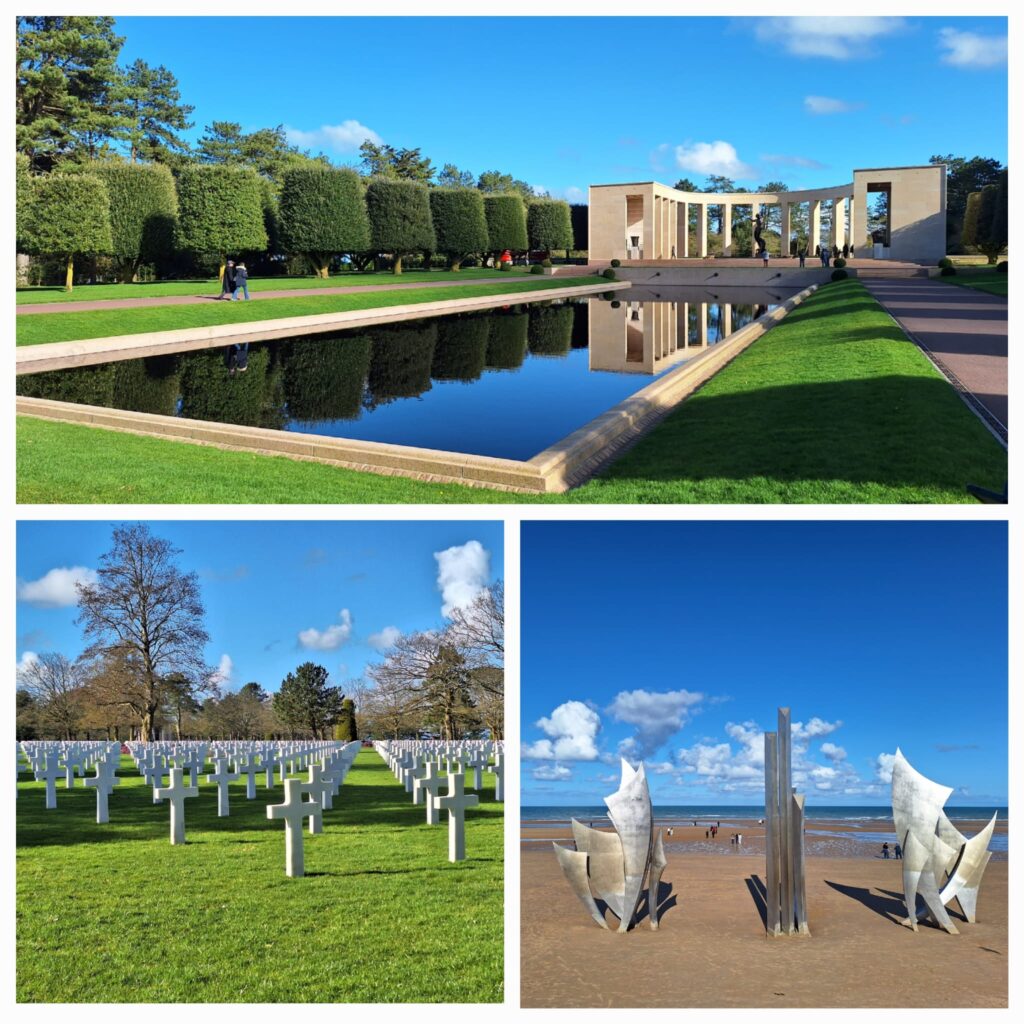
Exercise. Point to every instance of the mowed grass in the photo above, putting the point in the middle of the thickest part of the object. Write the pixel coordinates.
(982, 279)
(35, 294)
(114, 913)
(41, 328)
(834, 405)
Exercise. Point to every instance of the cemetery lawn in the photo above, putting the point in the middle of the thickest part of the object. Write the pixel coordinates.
(41, 328)
(834, 405)
(114, 913)
(983, 279)
(33, 294)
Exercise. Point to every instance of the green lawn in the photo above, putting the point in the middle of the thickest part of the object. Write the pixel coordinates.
(983, 279)
(211, 286)
(114, 913)
(835, 405)
(41, 328)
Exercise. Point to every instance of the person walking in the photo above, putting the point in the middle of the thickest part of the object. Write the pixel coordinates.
(898, 851)
(885, 851)
(241, 282)
(227, 282)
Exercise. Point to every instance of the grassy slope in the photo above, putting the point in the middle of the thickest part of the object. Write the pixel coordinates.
(833, 405)
(982, 279)
(114, 913)
(211, 286)
(41, 328)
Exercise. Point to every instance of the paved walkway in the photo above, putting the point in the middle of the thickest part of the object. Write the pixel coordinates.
(962, 329)
(280, 293)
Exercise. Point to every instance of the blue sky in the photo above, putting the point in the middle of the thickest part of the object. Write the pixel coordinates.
(803, 100)
(276, 593)
(677, 641)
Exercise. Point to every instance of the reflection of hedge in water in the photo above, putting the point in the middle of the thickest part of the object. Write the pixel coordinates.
(581, 324)
(324, 377)
(400, 363)
(210, 392)
(86, 385)
(461, 351)
(506, 340)
(147, 385)
(550, 331)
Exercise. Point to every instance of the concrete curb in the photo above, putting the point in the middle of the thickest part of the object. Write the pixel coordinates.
(63, 355)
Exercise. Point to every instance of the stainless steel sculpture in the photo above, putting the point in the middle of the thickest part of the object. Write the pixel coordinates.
(785, 881)
(939, 863)
(616, 865)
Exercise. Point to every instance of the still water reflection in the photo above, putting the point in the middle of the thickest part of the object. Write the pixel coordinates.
(506, 383)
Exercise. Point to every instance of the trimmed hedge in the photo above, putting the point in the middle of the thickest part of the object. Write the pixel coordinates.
(400, 221)
(23, 196)
(506, 340)
(324, 376)
(220, 210)
(506, 223)
(461, 349)
(549, 225)
(840, 275)
(460, 223)
(550, 331)
(322, 212)
(400, 362)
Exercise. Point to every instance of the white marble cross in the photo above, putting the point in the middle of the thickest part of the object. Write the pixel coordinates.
(293, 812)
(104, 782)
(222, 777)
(478, 761)
(153, 773)
(250, 769)
(317, 787)
(51, 772)
(429, 783)
(177, 793)
(455, 802)
(498, 770)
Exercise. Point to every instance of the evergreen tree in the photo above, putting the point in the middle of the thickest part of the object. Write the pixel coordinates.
(305, 703)
(149, 101)
(549, 225)
(400, 221)
(459, 223)
(506, 223)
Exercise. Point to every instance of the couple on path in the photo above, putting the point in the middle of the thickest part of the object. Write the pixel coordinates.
(236, 279)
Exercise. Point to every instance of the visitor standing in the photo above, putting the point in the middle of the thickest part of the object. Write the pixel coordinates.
(885, 851)
(764, 256)
(801, 255)
(227, 282)
(241, 282)
(898, 851)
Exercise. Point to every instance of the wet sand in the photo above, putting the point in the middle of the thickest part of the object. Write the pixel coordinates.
(711, 949)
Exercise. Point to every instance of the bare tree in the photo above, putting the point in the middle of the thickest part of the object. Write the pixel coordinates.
(145, 611)
(55, 684)
(479, 629)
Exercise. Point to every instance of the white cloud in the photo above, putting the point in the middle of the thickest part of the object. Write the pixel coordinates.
(57, 588)
(832, 752)
(346, 137)
(832, 37)
(462, 572)
(26, 661)
(656, 716)
(331, 638)
(384, 639)
(970, 50)
(814, 728)
(551, 773)
(713, 158)
(883, 767)
(572, 729)
(224, 671)
(829, 105)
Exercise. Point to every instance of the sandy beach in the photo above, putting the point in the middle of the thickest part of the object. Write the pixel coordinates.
(711, 949)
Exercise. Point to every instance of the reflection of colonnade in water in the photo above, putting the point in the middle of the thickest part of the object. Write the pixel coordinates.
(649, 336)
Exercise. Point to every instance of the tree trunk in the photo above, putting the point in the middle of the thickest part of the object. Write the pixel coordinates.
(69, 278)
(147, 725)
(396, 267)
(223, 267)
(456, 263)
(322, 264)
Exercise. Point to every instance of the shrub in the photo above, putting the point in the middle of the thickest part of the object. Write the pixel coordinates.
(506, 339)
(944, 262)
(400, 221)
(607, 295)
(549, 224)
(840, 275)
(1003, 268)
(546, 263)
(220, 211)
(459, 223)
(839, 262)
(506, 223)
(616, 304)
(507, 266)
(536, 269)
(608, 274)
(69, 216)
(616, 263)
(23, 193)
(947, 271)
(322, 212)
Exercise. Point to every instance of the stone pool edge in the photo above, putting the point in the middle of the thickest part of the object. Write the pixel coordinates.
(66, 355)
(555, 470)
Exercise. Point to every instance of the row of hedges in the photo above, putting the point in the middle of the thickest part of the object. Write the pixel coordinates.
(139, 213)
(986, 220)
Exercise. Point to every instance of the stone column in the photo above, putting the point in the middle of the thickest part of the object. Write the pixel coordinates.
(683, 327)
(727, 229)
(702, 230)
(852, 233)
(702, 325)
(859, 218)
(839, 218)
(814, 219)
(673, 229)
(786, 228)
(647, 240)
(726, 310)
(683, 220)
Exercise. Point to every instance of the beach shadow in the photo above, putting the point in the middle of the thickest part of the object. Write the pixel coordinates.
(880, 902)
(664, 901)
(955, 914)
(759, 894)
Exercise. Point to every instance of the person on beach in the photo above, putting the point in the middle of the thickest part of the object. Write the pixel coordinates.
(885, 851)
(707, 833)
(241, 282)
(739, 838)
(898, 851)
(227, 283)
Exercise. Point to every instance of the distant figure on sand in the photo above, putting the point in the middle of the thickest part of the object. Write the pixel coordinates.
(227, 284)
(898, 850)
(707, 833)
(739, 838)
(885, 850)
(241, 282)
